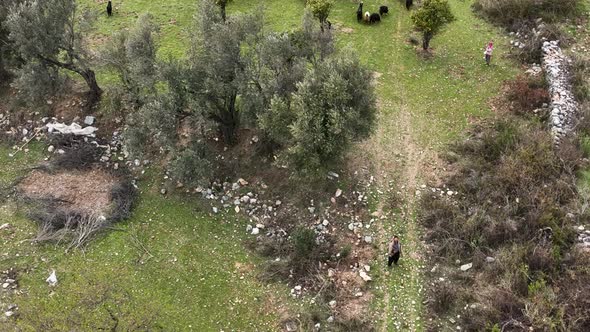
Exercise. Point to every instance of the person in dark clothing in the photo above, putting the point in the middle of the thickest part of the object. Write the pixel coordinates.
(109, 8)
(394, 251)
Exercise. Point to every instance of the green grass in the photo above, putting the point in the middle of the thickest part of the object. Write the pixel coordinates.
(441, 94)
(171, 265)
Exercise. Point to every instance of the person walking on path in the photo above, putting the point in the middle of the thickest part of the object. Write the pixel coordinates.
(488, 52)
(394, 251)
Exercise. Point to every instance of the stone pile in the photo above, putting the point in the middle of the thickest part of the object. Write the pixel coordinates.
(583, 237)
(563, 104)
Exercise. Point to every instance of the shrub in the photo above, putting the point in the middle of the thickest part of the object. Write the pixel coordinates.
(511, 12)
(579, 73)
(193, 166)
(527, 94)
(304, 242)
(515, 190)
(532, 52)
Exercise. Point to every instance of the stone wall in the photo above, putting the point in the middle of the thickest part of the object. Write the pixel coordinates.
(563, 105)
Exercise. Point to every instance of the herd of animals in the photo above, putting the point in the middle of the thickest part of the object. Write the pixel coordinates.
(366, 17)
(369, 18)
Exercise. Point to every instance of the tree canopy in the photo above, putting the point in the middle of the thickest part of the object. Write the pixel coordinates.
(431, 18)
(47, 36)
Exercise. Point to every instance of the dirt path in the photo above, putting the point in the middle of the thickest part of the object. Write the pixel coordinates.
(398, 161)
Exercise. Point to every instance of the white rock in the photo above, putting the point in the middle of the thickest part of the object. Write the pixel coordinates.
(5, 285)
(261, 226)
(466, 267)
(330, 319)
(50, 148)
(364, 276)
(249, 228)
(367, 268)
(368, 239)
(215, 210)
(4, 226)
(89, 120)
(332, 303)
(255, 231)
(490, 259)
(338, 193)
(297, 288)
(325, 223)
(52, 279)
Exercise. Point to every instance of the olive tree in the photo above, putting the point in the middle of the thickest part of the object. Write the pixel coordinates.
(321, 9)
(132, 53)
(333, 106)
(431, 18)
(7, 54)
(218, 66)
(47, 35)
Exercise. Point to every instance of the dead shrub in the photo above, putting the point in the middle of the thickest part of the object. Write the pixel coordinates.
(528, 94)
(508, 13)
(444, 296)
(515, 190)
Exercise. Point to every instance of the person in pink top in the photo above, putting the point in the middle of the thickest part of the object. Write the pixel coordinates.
(488, 52)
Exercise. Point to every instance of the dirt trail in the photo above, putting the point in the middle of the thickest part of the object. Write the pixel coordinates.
(397, 157)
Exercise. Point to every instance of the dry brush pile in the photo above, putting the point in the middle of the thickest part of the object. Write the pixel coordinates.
(73, 197)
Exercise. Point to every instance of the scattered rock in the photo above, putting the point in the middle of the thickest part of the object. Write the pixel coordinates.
(255, 231)
(490, 259)
(52, 279)
(332, 303)
(89, 120)
(163, 191)
(338, 193)
(364, 276)
(466, 267)
(368, 239)
(50, 148)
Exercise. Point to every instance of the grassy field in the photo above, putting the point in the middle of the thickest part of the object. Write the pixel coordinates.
(193, 279)
(171, 266)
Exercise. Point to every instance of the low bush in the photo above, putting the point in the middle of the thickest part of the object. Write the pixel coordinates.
(508, 13)
(579, 73)
(514, 192)
(527, 93)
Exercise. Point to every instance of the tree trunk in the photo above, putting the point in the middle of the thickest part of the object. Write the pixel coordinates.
(426, 40)
(229, 122)
(95, 91)
(222, 5)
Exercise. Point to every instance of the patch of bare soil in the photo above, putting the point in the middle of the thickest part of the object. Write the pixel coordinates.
(86, 192)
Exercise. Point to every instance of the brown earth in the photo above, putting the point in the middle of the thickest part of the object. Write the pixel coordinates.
(85, 192)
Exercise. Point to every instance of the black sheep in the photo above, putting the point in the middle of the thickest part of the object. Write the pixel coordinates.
(408, 4)
(359, 13)
(383, 10)
(109, 8)
(374, 18)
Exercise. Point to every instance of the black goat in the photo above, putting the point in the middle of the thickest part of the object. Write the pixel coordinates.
(383, 10)
(408, 4)
(374, 18)
(359, 12)
(109, 8)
